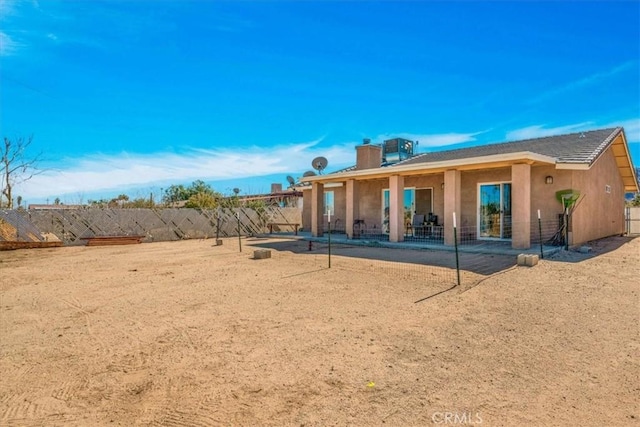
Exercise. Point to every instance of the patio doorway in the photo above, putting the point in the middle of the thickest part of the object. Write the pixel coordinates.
(416, 200)
(494, 211)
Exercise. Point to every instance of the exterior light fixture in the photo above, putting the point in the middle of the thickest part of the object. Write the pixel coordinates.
(548, 180)
(442, 186)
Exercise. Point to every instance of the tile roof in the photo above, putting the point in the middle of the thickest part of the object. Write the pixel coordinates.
(347, 169)
(579, 147)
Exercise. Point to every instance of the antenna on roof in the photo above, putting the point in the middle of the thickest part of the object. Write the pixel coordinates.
(309, 173)
(291, 181)
(236, 190)
(319, 163)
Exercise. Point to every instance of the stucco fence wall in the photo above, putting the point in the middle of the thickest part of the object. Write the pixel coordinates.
(632, 220)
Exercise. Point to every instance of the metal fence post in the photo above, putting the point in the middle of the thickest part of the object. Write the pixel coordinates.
(540, 235)
(217, 224)
(566, 229)
(455, 243)
(239, 239)
(329, 220)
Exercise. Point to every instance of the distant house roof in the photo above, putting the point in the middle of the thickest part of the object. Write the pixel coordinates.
(53, 207)
(277, 196)
(579, 147)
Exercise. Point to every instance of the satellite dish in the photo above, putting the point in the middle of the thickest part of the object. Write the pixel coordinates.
(319, 163)
(290, 180)
(309, 173)
(236, 190)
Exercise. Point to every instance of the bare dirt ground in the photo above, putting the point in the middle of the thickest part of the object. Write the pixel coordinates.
(190, 334)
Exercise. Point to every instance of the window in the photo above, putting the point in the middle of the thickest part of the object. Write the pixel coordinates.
(329, 205)
(409, 206)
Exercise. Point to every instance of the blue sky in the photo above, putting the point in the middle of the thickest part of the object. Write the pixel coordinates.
(133, 96)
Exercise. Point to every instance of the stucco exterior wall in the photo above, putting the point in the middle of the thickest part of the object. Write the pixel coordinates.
(599, 214)
(370, 201)
(468, 218)
(543, 195)
(306, 209)
(339, 214)
(370, 196)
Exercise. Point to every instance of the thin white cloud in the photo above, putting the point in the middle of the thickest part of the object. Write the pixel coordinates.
(539, 131)
(586, 81)
(10, 12)
(104, 173)
(104, 26)
(631, 129)
(432, 140)
(7, 8)
(8, 46)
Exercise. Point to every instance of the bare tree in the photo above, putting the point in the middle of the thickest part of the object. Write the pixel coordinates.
(15, 167)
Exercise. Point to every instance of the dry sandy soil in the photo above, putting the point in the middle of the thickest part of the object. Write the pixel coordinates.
(191, 334)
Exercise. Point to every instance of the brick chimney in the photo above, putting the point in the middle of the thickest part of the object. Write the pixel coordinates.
(368, 156)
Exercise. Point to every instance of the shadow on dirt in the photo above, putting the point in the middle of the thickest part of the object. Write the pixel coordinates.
(591, 249)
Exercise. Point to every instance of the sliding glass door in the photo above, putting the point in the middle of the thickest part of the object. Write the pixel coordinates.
(494, 211)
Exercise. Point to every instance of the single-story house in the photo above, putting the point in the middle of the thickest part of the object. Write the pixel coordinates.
(494, 191)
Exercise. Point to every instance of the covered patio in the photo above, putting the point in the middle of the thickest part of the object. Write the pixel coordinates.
(495, 247)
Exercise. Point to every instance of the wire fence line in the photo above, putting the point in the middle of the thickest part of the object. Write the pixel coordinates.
(475, 254)
(71, 226)
(435, 270)
(422, 256)
(434, 267)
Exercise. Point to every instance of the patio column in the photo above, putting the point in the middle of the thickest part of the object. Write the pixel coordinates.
(317, 209)
(521, 206)
(396, 208)
(452, 203)
(353, 210)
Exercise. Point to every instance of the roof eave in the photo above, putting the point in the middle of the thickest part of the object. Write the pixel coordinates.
(631, 188)
(480, 162)
(576, 166)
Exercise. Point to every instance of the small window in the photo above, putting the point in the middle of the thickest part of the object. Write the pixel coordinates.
(329, 203)
(607, 189)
